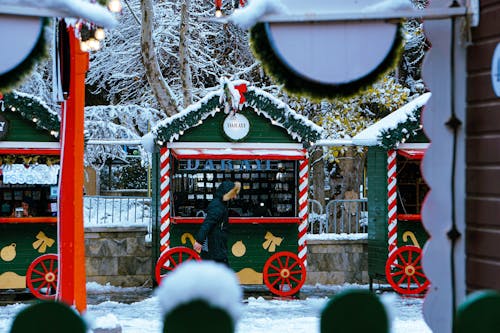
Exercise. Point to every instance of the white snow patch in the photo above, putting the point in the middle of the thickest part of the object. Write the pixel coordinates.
(390, 5)
(341, 236)
(205, 280)
(71, 8)
(247, 16)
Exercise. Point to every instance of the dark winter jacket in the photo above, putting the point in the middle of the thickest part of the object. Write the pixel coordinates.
(215, 225)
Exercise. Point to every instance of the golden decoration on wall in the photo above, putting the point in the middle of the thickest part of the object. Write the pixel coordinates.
(250, 276)
(43, 242)
(8, 253)
(185, 236)
(11, 280)
(411, 235)
(271, 242)
(239, 249)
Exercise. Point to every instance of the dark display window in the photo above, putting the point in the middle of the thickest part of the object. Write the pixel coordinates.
(41, 199)
(411, 186)
(268, 187)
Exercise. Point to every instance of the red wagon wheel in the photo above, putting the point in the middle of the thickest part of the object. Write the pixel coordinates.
(403, 271)
(169, 260)
(284, 273)
(41, 276)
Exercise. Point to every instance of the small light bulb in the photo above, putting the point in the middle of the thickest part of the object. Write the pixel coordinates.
(35, 120)
(13, 108)
(84, 46)
(218, 13)
(94, 44)
(115, 6)
(99, 34)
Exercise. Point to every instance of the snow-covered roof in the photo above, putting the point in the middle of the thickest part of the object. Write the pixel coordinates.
(83, 9)
(263, 103)
(371, 135)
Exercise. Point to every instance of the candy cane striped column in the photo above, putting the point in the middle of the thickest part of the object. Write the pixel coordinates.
(164, 200)
(303, 206)
(392, 205)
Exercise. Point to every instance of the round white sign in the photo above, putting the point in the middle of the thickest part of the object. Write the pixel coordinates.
(19, 36)
(236, 126)
(495, 70)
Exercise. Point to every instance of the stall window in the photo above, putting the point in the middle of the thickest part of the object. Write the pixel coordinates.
(269, 187)
(411, 186)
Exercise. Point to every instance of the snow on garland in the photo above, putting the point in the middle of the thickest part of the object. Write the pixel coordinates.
(32, 108)
(263, 103)
(395, 128)
(391, 137)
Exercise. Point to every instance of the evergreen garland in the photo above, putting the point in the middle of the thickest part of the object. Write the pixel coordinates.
(301, 86)
(405, 131)
(33, 110)
(12, 78)
(296, 125)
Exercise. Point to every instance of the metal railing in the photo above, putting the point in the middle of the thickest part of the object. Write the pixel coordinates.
(100, 211)
(341, 216)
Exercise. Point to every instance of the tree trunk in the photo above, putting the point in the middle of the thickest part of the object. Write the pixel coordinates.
(187, 83)
(153, 72)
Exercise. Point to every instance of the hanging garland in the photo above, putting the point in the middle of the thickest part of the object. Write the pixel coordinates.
(28, 160)
(32, 109)
(404, 131)
(261, 102)
(12, 78)
(301, 86)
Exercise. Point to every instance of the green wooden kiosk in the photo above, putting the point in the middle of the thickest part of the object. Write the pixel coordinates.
(29, 169)
(245, 134)
(396, 191)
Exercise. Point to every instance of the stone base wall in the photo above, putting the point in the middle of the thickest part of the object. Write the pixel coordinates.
(121, 257)
(118, 256)
(337, 261)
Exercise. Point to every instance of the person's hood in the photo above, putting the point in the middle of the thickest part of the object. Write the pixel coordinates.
(225, 189)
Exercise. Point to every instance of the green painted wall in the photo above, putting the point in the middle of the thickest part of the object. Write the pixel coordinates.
(247, 238)
(23, 236)
(21, 129)
(377, 211)
(261, 130)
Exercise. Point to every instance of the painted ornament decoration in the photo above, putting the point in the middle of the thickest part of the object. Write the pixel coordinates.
(327, 58)
(8, 253)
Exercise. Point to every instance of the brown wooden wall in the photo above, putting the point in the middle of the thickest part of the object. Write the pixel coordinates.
(483, 155)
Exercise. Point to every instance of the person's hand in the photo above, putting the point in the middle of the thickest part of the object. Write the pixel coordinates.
(197, 247)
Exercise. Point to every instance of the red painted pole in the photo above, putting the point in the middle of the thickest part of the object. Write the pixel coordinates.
(72, 277)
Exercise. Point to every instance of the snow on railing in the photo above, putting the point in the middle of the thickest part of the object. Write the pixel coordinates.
(347, 216)
(117, 211)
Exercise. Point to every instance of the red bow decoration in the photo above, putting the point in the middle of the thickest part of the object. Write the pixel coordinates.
(1, 96)
(242, 88)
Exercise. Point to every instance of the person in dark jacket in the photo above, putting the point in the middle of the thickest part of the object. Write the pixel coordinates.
(216, 223)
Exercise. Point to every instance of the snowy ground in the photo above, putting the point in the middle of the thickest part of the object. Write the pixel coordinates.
(259, 314)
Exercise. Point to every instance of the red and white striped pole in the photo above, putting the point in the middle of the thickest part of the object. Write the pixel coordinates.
(392, 204)
(164, 200)
(303, 206)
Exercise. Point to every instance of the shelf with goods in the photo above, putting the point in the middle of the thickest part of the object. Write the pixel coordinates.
(268, 188)
(41, 198)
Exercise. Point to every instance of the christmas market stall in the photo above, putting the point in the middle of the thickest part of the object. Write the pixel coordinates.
(29, 171)
(238, 133)
(396, 191)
